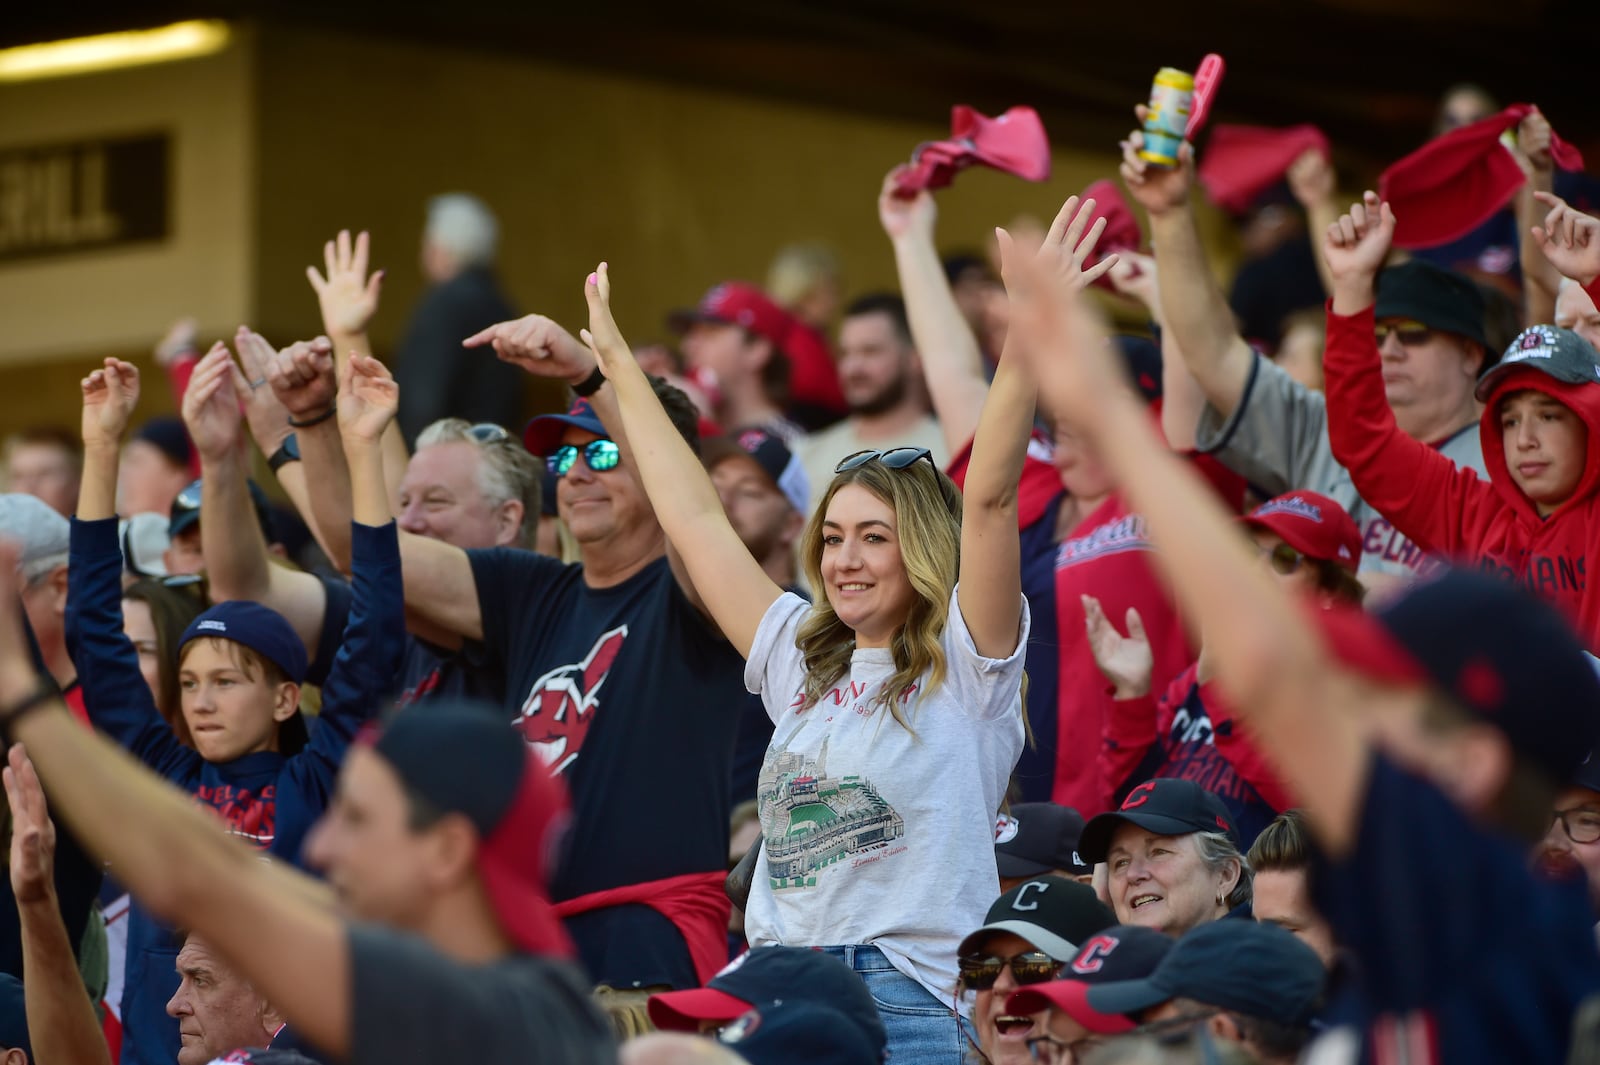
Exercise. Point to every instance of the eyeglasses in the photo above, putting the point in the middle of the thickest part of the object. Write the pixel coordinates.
(1410, 334)
(487, 433)
(1282, 558)
(601, 455)
(980, 971)
(1581, 826)
(896, 458)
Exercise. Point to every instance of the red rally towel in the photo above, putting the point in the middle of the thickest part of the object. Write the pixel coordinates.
(1014, 142)
(1241, 162)
(694, 902)
(1455, 183)
(1122, 228)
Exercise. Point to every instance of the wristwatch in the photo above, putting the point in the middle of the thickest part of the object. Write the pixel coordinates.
(288, 451)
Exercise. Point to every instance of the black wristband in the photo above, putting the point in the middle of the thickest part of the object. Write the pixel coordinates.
(43, 695)
(317, 420)
(589, 385)
(288, 451)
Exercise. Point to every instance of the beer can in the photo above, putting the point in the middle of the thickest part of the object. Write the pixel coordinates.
(1171, 100)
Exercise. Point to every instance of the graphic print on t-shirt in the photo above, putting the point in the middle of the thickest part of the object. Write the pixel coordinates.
(1124, 534)
(561, 705)
(247, 814)
(813, 820)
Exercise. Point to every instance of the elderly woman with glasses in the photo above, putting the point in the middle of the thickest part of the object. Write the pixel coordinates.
(896, 696)
(1310, 544)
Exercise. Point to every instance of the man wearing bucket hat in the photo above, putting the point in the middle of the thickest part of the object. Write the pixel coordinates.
(1538, 518)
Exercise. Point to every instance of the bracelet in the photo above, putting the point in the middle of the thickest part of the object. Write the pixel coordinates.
(43, 695)
(318, 420)
(589, 385)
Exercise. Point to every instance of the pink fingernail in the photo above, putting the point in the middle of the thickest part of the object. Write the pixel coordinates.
(594, 279)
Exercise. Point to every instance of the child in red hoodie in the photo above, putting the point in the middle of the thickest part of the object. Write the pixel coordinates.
(1538, 518)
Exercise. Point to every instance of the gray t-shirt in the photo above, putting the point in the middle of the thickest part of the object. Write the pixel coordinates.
(1277, 440)
(413, 1006)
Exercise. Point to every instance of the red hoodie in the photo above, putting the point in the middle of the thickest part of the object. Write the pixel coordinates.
(1449, 511)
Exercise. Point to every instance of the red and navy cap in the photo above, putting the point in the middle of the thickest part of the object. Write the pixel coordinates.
(1122, 952)
(741, 304)
(1166, 806)
(462, 757)
(1313, 525)
(543, 434)
(1494, 650)
(765, 976)
(780, 464)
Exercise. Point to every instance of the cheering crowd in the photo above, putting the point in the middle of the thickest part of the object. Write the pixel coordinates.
(974, 685)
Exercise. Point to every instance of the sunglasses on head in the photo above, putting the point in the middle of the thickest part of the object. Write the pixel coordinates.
(896, 458)
(487, 433)
(189, 498)
(1410, 334)
(980, 971)
(601, 455)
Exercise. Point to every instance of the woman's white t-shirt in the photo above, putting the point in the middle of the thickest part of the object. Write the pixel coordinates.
(873, 834)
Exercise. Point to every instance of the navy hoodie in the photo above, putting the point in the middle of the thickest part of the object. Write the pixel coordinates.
(269, 798)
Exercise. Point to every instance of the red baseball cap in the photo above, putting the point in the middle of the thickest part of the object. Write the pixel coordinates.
(1313, 525)
(742, 304)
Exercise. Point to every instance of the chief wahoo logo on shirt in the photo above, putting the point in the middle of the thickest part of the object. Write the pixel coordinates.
(559, 709)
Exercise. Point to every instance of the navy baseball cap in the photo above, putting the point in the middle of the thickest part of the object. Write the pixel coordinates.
(763, 976)
(1438, 298)
(801, 1032)
(259, 628)
(461, 757)
(1051, 912)
(768, 452)
(13, 1016)
(1122, 952)
(1241, 966)
(543, 434)
(1167, 807)
(1494, 650)
(185, 510)
(1039, 837)
(167, 433)
(1560, 353)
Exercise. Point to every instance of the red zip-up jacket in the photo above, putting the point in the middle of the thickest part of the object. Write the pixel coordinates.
(1449, 511)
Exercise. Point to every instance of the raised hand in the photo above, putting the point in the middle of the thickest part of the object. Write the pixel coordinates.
(265, 413)
(1570, 239)
(33, 837)
(179, 339)
(539, 346)
(349, 298)
(211, 405)
(109, 396)
(1066, 246)
(603, 337)
(368, 398)
(1356, 245)
(1134, 275)
(1311, 178)
(1158, 189)
(1060, 332)
(903, 218)
(301, 376)
(1533, 143)
(1126, 661)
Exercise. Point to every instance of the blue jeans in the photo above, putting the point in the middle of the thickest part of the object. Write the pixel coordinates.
(921, 1028)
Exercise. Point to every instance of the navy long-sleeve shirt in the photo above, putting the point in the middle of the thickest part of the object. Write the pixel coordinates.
(268, 797)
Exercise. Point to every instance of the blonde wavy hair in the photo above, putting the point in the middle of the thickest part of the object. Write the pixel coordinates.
(927, 514)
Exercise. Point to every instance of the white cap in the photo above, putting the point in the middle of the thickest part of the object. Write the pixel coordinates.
(44, 535)
(144, 543)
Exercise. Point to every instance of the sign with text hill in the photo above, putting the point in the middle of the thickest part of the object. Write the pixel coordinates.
(84, 196)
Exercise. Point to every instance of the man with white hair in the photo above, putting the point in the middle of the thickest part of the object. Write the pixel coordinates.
(436, 377)
(43, 535)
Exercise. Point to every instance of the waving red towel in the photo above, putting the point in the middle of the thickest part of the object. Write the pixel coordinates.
(1241, 162)
(1014, 142)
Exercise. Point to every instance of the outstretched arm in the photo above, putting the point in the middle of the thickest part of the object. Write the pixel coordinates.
(1312, 181)
(348, 296)
(177, 858)
(951, 360)
(1540, 280)
(1570, 240)
(1267, 656)
(1193, 306)
(61, 1020)
(736, 592)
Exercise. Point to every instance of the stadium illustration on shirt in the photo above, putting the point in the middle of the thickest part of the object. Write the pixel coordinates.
(812, 820)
